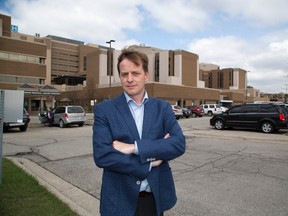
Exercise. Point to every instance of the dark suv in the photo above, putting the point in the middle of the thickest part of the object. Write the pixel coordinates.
(266, 117)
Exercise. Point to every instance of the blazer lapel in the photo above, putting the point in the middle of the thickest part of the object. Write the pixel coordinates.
(148, 117)
(122, 106)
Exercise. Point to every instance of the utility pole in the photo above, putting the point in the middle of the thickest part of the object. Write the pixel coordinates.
(286, 97)
(110, 65)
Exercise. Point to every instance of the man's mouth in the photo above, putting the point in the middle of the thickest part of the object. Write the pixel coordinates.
(130, 86)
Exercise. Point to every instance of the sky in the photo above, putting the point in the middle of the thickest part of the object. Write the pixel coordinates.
(247, 34)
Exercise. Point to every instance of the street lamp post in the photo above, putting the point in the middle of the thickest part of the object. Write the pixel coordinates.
(246, 87)
(110, 66)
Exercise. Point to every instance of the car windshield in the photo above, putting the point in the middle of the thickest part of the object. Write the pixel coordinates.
(177, 107)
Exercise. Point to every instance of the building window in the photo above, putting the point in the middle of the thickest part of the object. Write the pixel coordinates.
(84, 63)
(171, 63)
(22, 58)
(14, 57)
(14, 79)
(42, 60)
(4, 55)
(156, 78)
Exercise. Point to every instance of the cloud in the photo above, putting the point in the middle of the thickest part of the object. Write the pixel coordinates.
(248, 34)
(175, 16)
(193, 16)
(91, 21)
(226, 51)
(266, 61)
(260, 13)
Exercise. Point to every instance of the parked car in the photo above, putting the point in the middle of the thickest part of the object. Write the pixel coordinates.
(187, 113)
(211, 109)
(196, 111)
(21, 125)
(266, 117)
(224, 109)
(177, 111)
(69, 115)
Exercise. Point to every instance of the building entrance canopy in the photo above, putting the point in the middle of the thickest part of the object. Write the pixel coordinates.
(44, 90)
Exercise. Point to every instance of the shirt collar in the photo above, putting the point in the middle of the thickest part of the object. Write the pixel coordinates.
(128, 99)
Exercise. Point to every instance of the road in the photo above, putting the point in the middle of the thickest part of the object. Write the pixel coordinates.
(231, 172)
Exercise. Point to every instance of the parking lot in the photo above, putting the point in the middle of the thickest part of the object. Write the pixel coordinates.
(230, 172)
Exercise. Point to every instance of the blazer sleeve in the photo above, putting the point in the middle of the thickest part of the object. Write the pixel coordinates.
(105, 156)
(151, 148)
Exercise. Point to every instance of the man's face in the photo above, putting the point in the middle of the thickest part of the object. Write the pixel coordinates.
(133, 79)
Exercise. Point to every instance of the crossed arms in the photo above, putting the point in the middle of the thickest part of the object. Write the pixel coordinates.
(131, 149)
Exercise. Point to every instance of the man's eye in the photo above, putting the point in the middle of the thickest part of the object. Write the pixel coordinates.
(124, 74)
(135, 73)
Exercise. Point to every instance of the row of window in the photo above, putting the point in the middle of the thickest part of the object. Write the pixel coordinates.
(64, 54)
(66, 60)
(65, 65)
(65, 71)
(22, 57)
(14, 79)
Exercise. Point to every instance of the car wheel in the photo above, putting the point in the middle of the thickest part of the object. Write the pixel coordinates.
(81, 124)
(267, 127)
(219, 124)
(61, 124)
(209, 113)
(23, 128)
(194, 115)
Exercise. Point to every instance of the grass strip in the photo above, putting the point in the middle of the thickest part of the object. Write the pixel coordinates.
(21, 194)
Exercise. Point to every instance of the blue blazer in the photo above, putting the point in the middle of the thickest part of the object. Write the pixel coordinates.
(122, 174)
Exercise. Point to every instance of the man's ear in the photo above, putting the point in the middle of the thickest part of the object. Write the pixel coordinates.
(147, 76)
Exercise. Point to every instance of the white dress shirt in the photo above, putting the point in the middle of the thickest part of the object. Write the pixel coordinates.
(137, 112)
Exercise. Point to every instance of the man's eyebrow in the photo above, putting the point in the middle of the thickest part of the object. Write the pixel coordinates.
(130, 72)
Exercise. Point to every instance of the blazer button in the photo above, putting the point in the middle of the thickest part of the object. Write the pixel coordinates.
(138, 182)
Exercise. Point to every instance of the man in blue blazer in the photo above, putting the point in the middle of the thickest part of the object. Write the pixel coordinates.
(134, 138)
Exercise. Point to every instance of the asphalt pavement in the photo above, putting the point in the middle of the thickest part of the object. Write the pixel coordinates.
(85, 204)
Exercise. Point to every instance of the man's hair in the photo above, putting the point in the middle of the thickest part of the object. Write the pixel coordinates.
(134, 56)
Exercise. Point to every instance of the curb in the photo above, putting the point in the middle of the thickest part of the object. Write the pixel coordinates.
(262, 137)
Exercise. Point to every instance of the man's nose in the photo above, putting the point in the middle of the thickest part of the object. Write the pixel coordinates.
(130, 77)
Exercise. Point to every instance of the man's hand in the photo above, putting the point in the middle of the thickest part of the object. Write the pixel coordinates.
(156, 163)
(167, 136)
(124, 147)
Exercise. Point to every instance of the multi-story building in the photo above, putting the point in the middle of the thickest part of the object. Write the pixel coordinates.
(41, 66)
(22, 64)
(54, 70)
(227, 78)
(174, 76)
(232, 82)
